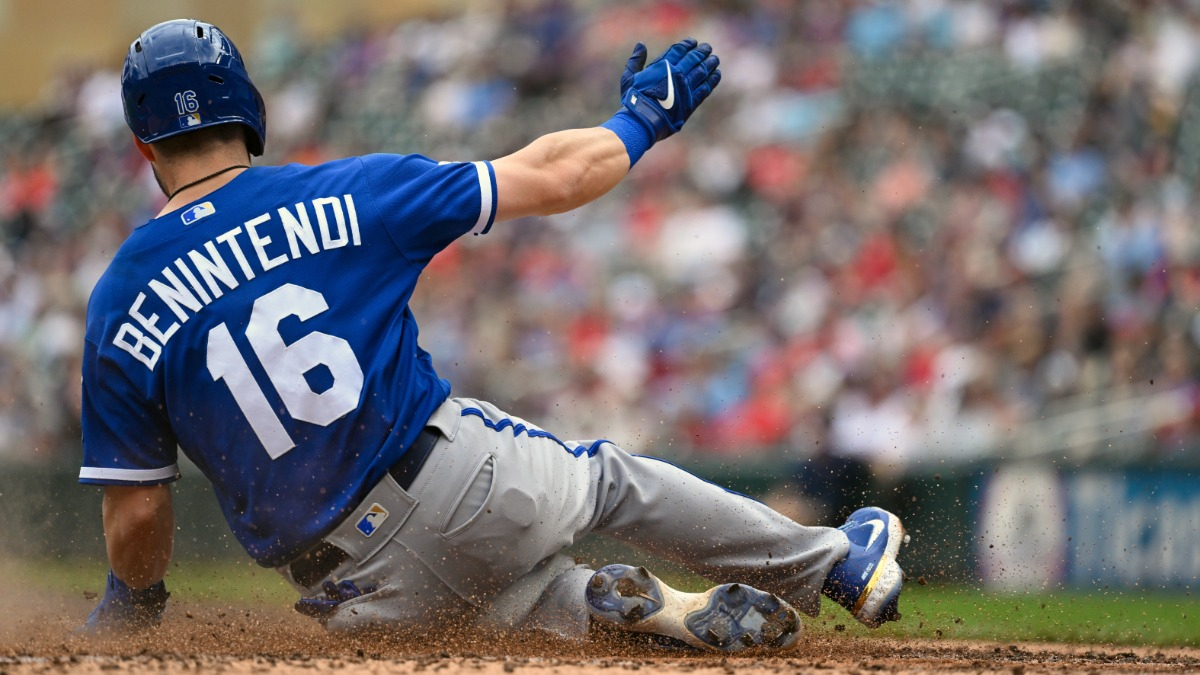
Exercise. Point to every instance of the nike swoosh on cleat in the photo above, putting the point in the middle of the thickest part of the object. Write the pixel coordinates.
(669, 101)
(877, 528)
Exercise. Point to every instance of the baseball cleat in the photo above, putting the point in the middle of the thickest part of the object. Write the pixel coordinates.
(868, 581)
(726, 618)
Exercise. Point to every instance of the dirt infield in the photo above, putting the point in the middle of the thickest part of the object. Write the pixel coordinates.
(35, 637)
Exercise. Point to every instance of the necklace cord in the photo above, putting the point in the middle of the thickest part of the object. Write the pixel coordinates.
(198, 181)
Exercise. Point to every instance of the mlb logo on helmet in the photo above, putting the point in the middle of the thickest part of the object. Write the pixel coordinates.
(192, 120)
(372, 519)
(201, 210)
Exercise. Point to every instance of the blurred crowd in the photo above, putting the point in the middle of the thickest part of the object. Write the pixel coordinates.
(901, 232)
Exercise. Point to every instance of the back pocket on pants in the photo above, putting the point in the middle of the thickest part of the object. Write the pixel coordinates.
(472, 502)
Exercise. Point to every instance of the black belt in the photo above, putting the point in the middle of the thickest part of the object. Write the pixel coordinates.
(324, 558)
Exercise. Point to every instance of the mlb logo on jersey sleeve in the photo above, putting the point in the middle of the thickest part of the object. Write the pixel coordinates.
(372, 519)
(201, 210)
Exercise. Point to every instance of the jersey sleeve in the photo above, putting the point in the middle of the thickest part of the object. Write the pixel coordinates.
(426, 205)
(127, 440)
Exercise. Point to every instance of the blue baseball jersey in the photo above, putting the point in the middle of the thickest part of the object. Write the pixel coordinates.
(264, 329)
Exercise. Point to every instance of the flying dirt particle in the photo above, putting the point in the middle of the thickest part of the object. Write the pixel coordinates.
(937, 476)
(938, 632)
(839, 627)
(923, 581)
(89, 595)
(958, 619)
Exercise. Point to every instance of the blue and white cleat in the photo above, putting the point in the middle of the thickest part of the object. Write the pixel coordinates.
(868, 581)
(726, 618)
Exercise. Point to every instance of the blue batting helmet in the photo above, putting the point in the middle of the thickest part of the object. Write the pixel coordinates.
(184, 75)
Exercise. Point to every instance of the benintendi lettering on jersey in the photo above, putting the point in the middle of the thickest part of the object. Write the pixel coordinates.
(195, 280)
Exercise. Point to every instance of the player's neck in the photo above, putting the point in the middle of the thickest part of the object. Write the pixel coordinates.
(187, 179)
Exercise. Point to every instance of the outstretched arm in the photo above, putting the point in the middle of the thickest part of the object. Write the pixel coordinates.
(139, 532)
(564, 170)
(559, 172)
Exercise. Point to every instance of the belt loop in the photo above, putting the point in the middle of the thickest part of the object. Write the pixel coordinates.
(447, 418)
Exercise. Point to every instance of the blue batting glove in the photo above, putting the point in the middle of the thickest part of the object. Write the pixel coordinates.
(657, 99)
(335, 594)
(124, 610)
(664, 94)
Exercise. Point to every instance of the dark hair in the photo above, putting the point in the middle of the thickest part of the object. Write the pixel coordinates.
(202, 140)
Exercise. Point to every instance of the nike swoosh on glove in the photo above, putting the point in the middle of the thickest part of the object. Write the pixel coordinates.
(664, 94)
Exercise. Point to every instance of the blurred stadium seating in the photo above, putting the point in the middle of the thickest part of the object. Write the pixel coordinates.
(909, 233)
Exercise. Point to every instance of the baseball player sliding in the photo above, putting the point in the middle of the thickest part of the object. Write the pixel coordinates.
(260, 323)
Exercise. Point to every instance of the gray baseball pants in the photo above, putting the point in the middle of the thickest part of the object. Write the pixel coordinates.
(479, 533)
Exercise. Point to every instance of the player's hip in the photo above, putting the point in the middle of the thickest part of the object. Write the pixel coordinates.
(496, 496)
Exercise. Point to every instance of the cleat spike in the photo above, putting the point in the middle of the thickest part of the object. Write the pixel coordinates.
(627, 587)
(635, 614)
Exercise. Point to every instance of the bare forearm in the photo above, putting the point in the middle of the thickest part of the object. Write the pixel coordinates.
(559, 172)
(139, 532)
(565, 170)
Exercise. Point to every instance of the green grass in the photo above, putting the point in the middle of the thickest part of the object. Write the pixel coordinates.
(1125, 617)
(215, 582)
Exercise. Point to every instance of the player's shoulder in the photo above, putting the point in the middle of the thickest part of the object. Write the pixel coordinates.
(295, 174)
(407, 172)
(392, 162)
(380, 167)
